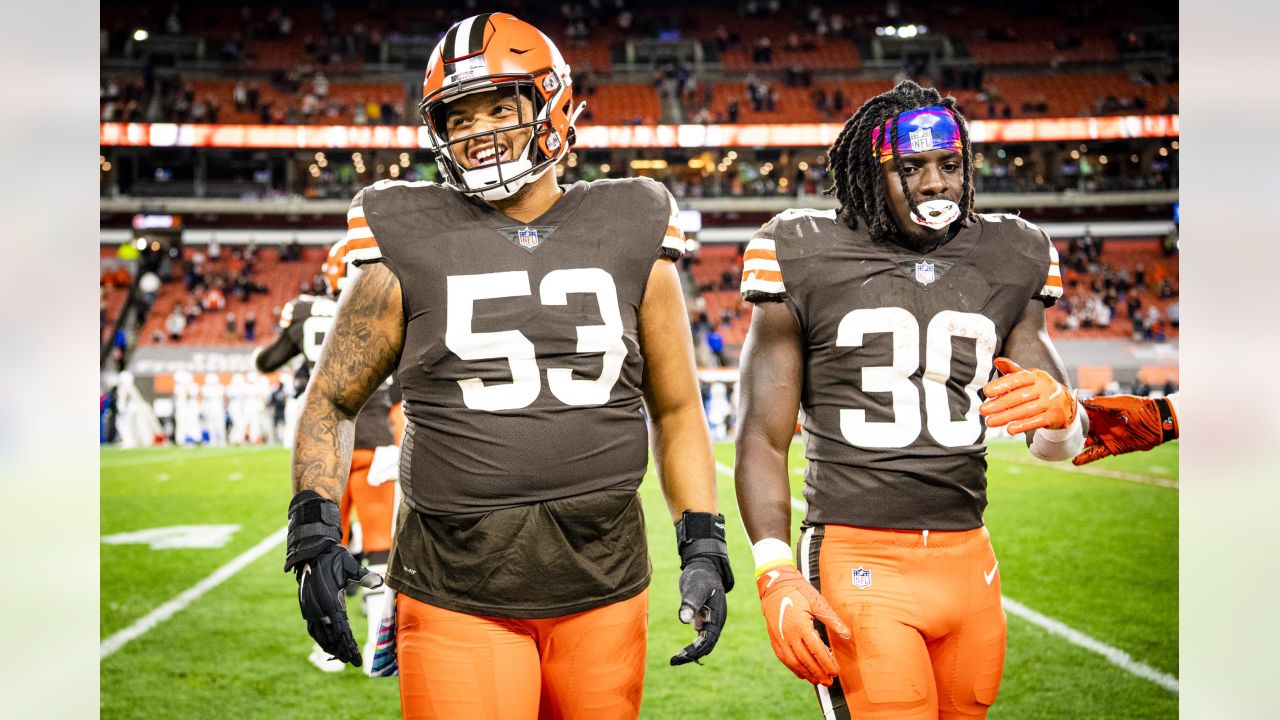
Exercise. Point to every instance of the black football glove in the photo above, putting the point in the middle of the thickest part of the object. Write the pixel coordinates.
(704, 580)
(324, 568)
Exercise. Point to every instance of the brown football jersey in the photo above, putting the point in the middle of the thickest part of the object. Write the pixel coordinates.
(304, 323)
(897, 346)
(521, 375)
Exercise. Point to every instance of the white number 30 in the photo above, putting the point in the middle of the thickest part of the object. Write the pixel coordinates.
(526, 382)
(896, 378)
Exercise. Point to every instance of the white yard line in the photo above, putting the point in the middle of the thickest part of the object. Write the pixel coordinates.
(1113, 655)
(190, 595)
(1096, 472)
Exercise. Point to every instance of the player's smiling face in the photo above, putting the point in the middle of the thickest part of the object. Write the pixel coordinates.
(488, 111)
(931, 175)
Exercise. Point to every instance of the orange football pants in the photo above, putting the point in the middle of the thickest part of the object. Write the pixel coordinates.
(373, 505)
(585, 666)
(928, 625)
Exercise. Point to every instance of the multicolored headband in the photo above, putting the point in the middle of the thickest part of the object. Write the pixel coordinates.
(919, 130)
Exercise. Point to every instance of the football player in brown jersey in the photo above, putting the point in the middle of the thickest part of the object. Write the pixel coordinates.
(534, 328)
(304, 324)
(882, 321)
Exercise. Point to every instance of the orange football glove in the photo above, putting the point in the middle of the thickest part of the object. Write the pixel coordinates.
(1121, 424)
(1026, 400)
(791, 604)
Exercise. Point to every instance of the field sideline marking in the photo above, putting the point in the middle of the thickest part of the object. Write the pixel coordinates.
(1113, 655)
(190, 595)
(1098, 472)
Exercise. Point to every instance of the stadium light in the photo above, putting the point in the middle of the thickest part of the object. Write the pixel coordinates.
(140, 35)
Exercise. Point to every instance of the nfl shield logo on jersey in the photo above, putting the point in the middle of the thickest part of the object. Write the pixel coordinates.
(925, 273)
(527, 237)
(861, 578)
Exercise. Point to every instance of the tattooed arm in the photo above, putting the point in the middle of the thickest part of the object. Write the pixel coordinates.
(359, 353)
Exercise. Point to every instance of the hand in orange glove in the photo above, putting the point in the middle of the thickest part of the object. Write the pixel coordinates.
(1026, 400)
(791, 604)
(1121, 424)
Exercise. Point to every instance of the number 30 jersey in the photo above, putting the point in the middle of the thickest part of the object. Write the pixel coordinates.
(897, 346)
(521, 369)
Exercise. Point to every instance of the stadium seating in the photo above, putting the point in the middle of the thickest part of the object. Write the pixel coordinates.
(1118, 254)
(282, 280)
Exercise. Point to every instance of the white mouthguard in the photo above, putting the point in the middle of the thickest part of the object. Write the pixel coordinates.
(937, 214)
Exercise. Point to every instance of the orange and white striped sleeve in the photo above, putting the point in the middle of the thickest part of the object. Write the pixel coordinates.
(1052, 289)
(359, 246)
(761, 273)
(674, 244)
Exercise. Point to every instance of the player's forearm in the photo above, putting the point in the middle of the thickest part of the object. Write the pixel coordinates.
(682, 454)
(762, 486)
(359, 353)
(322, 447)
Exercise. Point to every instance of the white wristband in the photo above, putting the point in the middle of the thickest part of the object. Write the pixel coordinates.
(1060, 444)
(771, 550)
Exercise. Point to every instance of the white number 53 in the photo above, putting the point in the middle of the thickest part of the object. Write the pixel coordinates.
(526, 381)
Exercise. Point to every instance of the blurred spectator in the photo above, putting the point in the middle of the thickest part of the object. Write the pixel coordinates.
(148, 288)
(250, 326)
(214, 300)
(233, 332)
(176, 323)
(715, 341)
(762, 51)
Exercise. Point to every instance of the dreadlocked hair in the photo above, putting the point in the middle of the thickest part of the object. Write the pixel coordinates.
(854, 163)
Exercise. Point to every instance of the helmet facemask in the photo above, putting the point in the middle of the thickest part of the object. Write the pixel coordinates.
(543, 148)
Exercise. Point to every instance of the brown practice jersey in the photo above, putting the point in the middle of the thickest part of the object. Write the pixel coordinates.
(304, 323)
(521, 376)
(897, 346)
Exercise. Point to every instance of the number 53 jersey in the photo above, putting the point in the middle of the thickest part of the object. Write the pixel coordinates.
(897, 346)
(521, 369)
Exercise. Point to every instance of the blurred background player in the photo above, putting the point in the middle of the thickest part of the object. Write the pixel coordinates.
(304, 324)
(1120, 424)
(136, 423)
(237, 409)
(186, 409)
(531, 325)
(213, 410)
(883, 319)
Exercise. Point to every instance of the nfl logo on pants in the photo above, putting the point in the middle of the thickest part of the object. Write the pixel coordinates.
(527, 237)
(861, 578)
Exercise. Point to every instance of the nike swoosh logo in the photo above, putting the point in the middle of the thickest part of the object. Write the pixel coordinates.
(773, 576)
(306, 572)
(782, 613)
(519, 52)
(989, 576)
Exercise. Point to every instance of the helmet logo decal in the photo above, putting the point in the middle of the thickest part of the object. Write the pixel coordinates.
(464, 69)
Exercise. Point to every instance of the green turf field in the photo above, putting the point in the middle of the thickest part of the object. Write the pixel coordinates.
(1096, 551)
